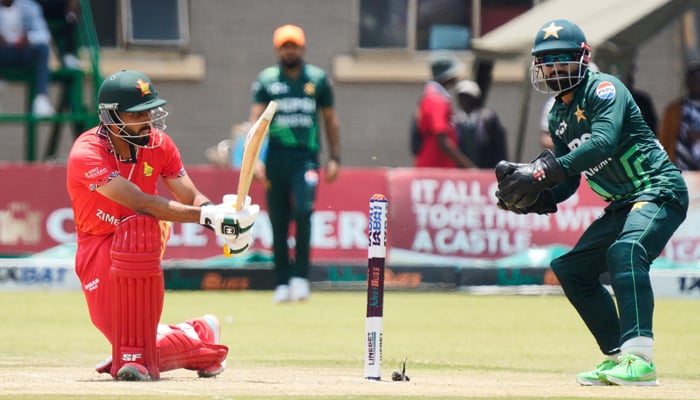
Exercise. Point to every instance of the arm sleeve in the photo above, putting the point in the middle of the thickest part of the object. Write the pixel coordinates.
(258, 91)
(172, 162)
(91, 168)
(568, 187)
(325, 97)
(565, 189)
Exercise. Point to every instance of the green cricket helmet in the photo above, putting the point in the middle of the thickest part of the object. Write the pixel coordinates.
(561, 56)
(132, 92)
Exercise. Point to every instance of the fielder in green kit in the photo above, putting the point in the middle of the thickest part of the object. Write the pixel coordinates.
(302, 91)
(598, 132)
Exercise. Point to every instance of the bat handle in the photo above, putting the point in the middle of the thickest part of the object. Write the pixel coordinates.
(270, 110)
(238, 206)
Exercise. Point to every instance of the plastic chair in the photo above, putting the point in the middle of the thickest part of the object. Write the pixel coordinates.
(449, 37)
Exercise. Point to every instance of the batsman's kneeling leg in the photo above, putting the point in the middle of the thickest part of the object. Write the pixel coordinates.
(137, 288)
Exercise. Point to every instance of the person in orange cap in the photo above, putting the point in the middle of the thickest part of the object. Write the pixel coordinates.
(288, 33)
(291, 164)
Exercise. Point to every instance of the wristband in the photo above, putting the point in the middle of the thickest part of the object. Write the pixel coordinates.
(207, 203)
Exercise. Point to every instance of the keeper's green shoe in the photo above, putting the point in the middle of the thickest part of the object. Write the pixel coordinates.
(592, 378)
(632, 370)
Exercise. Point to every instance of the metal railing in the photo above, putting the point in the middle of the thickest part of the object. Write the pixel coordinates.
(72, 107)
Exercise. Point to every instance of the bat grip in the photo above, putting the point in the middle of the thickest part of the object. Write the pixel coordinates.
(238, 206)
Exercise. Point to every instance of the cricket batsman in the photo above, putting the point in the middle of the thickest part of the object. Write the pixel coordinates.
(122, 228)
(598, 132)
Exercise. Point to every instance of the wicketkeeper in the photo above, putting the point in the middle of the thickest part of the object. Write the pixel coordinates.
(122, 230)
(598, 132)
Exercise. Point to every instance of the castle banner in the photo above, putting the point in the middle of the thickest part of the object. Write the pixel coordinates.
(436, 217)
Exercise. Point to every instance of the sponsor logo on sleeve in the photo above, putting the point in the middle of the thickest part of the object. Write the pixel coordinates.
(95, 172)
(605, 90)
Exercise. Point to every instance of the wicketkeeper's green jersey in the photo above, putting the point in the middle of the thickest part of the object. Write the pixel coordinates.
(601, 134)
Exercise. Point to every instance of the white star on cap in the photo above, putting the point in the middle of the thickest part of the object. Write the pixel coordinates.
(551, 30)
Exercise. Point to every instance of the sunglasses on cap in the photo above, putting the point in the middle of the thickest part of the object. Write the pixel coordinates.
(556, 58)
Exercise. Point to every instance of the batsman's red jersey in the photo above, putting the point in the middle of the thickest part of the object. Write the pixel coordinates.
(92, 163)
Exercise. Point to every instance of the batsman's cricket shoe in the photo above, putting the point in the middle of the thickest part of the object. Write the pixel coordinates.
(632, 370)
(133, 372)
(208, 328)
(212, 335)
(593, 378)
(281, 294)
(212, 370)
(103, 367)
(299, 289)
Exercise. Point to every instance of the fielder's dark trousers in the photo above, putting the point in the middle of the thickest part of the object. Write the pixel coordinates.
(292, 181)
(622, 242)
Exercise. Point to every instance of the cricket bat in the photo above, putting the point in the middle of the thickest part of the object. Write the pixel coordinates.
(253, 143)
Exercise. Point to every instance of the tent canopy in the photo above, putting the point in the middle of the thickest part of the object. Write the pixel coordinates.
(616, 25)
(613, 28)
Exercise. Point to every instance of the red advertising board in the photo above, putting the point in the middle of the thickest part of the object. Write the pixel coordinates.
(441, 217)
(35, 212)
(339, 223)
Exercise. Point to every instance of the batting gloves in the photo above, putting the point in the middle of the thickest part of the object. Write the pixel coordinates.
(235, 227)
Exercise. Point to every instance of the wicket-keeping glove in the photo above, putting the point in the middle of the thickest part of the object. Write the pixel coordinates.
(235, 227)
(522, 187)
(505, 168)
(544, 204)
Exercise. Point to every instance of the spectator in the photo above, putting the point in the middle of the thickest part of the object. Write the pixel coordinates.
(434, 117)
(291, 165)
(481, 136)
(680, 126)
(67, 13)
(643, 100)
(24, 43)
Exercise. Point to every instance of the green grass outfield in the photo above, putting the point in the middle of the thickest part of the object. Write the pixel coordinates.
(457, 346)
